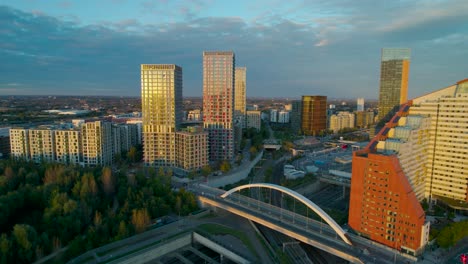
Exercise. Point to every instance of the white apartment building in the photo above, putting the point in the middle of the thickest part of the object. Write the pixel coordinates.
(341, 120)
(253, 119)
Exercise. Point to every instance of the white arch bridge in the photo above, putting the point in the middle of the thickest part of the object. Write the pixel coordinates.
(331, 238)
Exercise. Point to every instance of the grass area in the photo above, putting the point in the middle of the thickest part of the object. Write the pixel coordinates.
(216, 229)
(307, 179)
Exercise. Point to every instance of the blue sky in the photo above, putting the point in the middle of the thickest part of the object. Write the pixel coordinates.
(290, 48)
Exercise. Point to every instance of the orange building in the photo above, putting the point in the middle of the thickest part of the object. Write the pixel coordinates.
(383, 205)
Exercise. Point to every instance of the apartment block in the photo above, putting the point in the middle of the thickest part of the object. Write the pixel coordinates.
(96, 138)
(192, 146)
(384, 206)
(254, 119)
(341, 120)
(68, 146)
(41, 145)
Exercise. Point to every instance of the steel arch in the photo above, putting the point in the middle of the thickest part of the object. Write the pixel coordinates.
(299, 197)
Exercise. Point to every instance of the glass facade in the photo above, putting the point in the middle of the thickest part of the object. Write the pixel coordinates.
(314, 114)
(161, 98)
(394, 71)
(218, 103)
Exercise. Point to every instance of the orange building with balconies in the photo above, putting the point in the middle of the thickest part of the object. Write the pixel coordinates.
(383, 206)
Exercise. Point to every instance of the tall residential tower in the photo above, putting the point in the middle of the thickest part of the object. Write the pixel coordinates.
(161, 99)
(218, 103)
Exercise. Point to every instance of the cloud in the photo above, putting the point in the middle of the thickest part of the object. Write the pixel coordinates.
(334, 52)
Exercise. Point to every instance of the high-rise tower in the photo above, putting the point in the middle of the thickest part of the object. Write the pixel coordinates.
(161, 99)
(394, 71)
(218, 103)
(240, 94)
(360, 104)
(314, 114)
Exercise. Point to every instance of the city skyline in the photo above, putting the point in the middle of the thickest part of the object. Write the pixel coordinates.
(68, 48)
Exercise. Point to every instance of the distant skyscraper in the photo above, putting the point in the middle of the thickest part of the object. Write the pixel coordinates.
(218, 103)
(314, 114)
(161, 99)
(240, 95)
(360, 104)
(394, 71)
(296, 116)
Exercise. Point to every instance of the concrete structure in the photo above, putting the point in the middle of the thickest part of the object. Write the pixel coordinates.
(394, 72)
(296, 116)
(68, 146)
(161, 99)
(447, 142)
(283, 117)
(364, 119)
(341, 120)
(192, 148)
(383, 203)
(218, 103)
(360, 104)
(253, 119)
(314, 114)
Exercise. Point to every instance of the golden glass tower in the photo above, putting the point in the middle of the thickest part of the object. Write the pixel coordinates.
(314, 114)
(394, 71)
(161, 101)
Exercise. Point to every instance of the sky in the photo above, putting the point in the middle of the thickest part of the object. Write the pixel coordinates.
(290, 48)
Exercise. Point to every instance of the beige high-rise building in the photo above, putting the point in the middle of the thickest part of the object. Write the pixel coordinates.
(447, 174)
(161, 99)
(218, 103)
(394, 72)
(240, 95)
(96, 138)
(41, 145)
(192, 148)
(19, 143)
(68, 146)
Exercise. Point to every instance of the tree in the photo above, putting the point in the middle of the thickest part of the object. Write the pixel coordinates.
(206, 170)
(5, 249)
(108, 181)
(140, 219)
(25, 237)
(225, 166)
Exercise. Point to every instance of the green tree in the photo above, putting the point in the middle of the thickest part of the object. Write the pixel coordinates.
(140, 219)
(206, 170)
(5, 249)
(25, 237)
(108, 181)
(225, 166)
